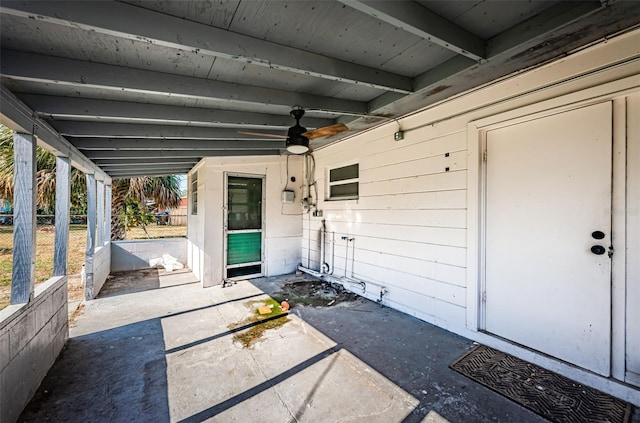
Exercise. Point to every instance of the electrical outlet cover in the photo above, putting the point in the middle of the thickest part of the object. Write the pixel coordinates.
(288, 196)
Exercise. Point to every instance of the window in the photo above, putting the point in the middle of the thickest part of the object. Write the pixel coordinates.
(194, 193)
(343, 182)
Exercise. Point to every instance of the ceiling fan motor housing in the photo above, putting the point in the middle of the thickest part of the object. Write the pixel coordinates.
(296, 142)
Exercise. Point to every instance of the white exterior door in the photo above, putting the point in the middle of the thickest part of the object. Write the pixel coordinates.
(547, 235)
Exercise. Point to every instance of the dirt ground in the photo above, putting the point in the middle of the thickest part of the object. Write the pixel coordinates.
(313, 293)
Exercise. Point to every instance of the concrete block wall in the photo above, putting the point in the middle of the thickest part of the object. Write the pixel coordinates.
(98, 271)
(101, 267)
(135, 255)
(31, 338)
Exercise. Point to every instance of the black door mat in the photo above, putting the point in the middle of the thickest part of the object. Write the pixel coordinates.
(548, 394)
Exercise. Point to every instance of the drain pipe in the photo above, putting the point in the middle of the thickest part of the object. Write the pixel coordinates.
(309, 240)
(346, 254)
(353, 255)
(322, 253)
(319, 275)
(333, 252)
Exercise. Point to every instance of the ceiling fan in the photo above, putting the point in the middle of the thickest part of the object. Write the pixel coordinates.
(298, 137)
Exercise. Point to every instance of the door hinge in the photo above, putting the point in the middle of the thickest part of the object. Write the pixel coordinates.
(484, 296)
(610, 253)
(484, 156)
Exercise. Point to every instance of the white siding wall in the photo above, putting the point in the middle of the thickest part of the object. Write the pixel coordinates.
(283, 226)
(411, 224)
(195, 227)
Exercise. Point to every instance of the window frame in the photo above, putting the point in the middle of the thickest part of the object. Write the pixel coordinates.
(193, 185)
(330, 184)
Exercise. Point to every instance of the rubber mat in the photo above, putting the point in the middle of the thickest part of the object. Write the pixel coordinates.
(548, 394)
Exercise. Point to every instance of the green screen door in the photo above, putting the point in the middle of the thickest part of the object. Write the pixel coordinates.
(244, 226)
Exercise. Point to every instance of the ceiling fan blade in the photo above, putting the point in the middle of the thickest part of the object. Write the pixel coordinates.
(260, 134)
(326, 131)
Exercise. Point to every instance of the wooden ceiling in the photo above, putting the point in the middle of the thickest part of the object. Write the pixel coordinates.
(151, 87)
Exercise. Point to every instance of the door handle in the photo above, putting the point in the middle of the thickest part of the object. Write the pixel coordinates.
(598, 250)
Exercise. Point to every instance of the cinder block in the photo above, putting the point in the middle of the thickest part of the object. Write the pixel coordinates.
(59, 297)
(22, 331)
(3, 407)
(19, 377)
(44, 312)
(44, 336)
(60, 320)
(4, 349)
(39, 347)
(58, 306)
(59, 339)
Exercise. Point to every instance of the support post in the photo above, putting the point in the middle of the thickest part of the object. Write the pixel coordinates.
(24, 218)
(100, 213)
(107, 214)
(91, 235)
(63, 204)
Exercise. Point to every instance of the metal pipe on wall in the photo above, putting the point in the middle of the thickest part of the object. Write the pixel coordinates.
(353, 255)
(322, 241)
(333, 252)
(346, 253)
(308, 240)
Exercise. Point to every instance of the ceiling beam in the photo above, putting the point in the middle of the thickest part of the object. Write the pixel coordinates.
(139, 174)
(420, 21)
(71, 108)
(157, 161)
(138, 24)
(78, 129)
(77, 73)
(152, 154)
(178, 168)
(560, 14)
(170, 170)
(162, 144)
(19, 117)
(122, 169)
(527, 40)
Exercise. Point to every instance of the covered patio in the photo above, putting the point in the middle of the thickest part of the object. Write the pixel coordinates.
(155, 347)
(471, 165)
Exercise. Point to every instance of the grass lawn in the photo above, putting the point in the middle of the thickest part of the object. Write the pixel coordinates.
(77, 245)
(157, 231)
(44, 255)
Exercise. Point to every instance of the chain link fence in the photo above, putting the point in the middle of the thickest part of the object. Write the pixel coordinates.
(162, 226)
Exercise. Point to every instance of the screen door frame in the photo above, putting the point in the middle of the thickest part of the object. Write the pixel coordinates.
(227, 232)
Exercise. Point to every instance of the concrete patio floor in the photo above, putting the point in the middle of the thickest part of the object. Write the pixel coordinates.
(156, 346)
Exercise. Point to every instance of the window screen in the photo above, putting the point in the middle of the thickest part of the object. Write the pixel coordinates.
(343, 182)
(245, 203)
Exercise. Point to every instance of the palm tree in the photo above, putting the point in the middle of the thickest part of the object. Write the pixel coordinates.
(164, 191)
(45, 175)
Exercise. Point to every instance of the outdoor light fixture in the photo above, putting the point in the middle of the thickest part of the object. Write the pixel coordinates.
(296, 142)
